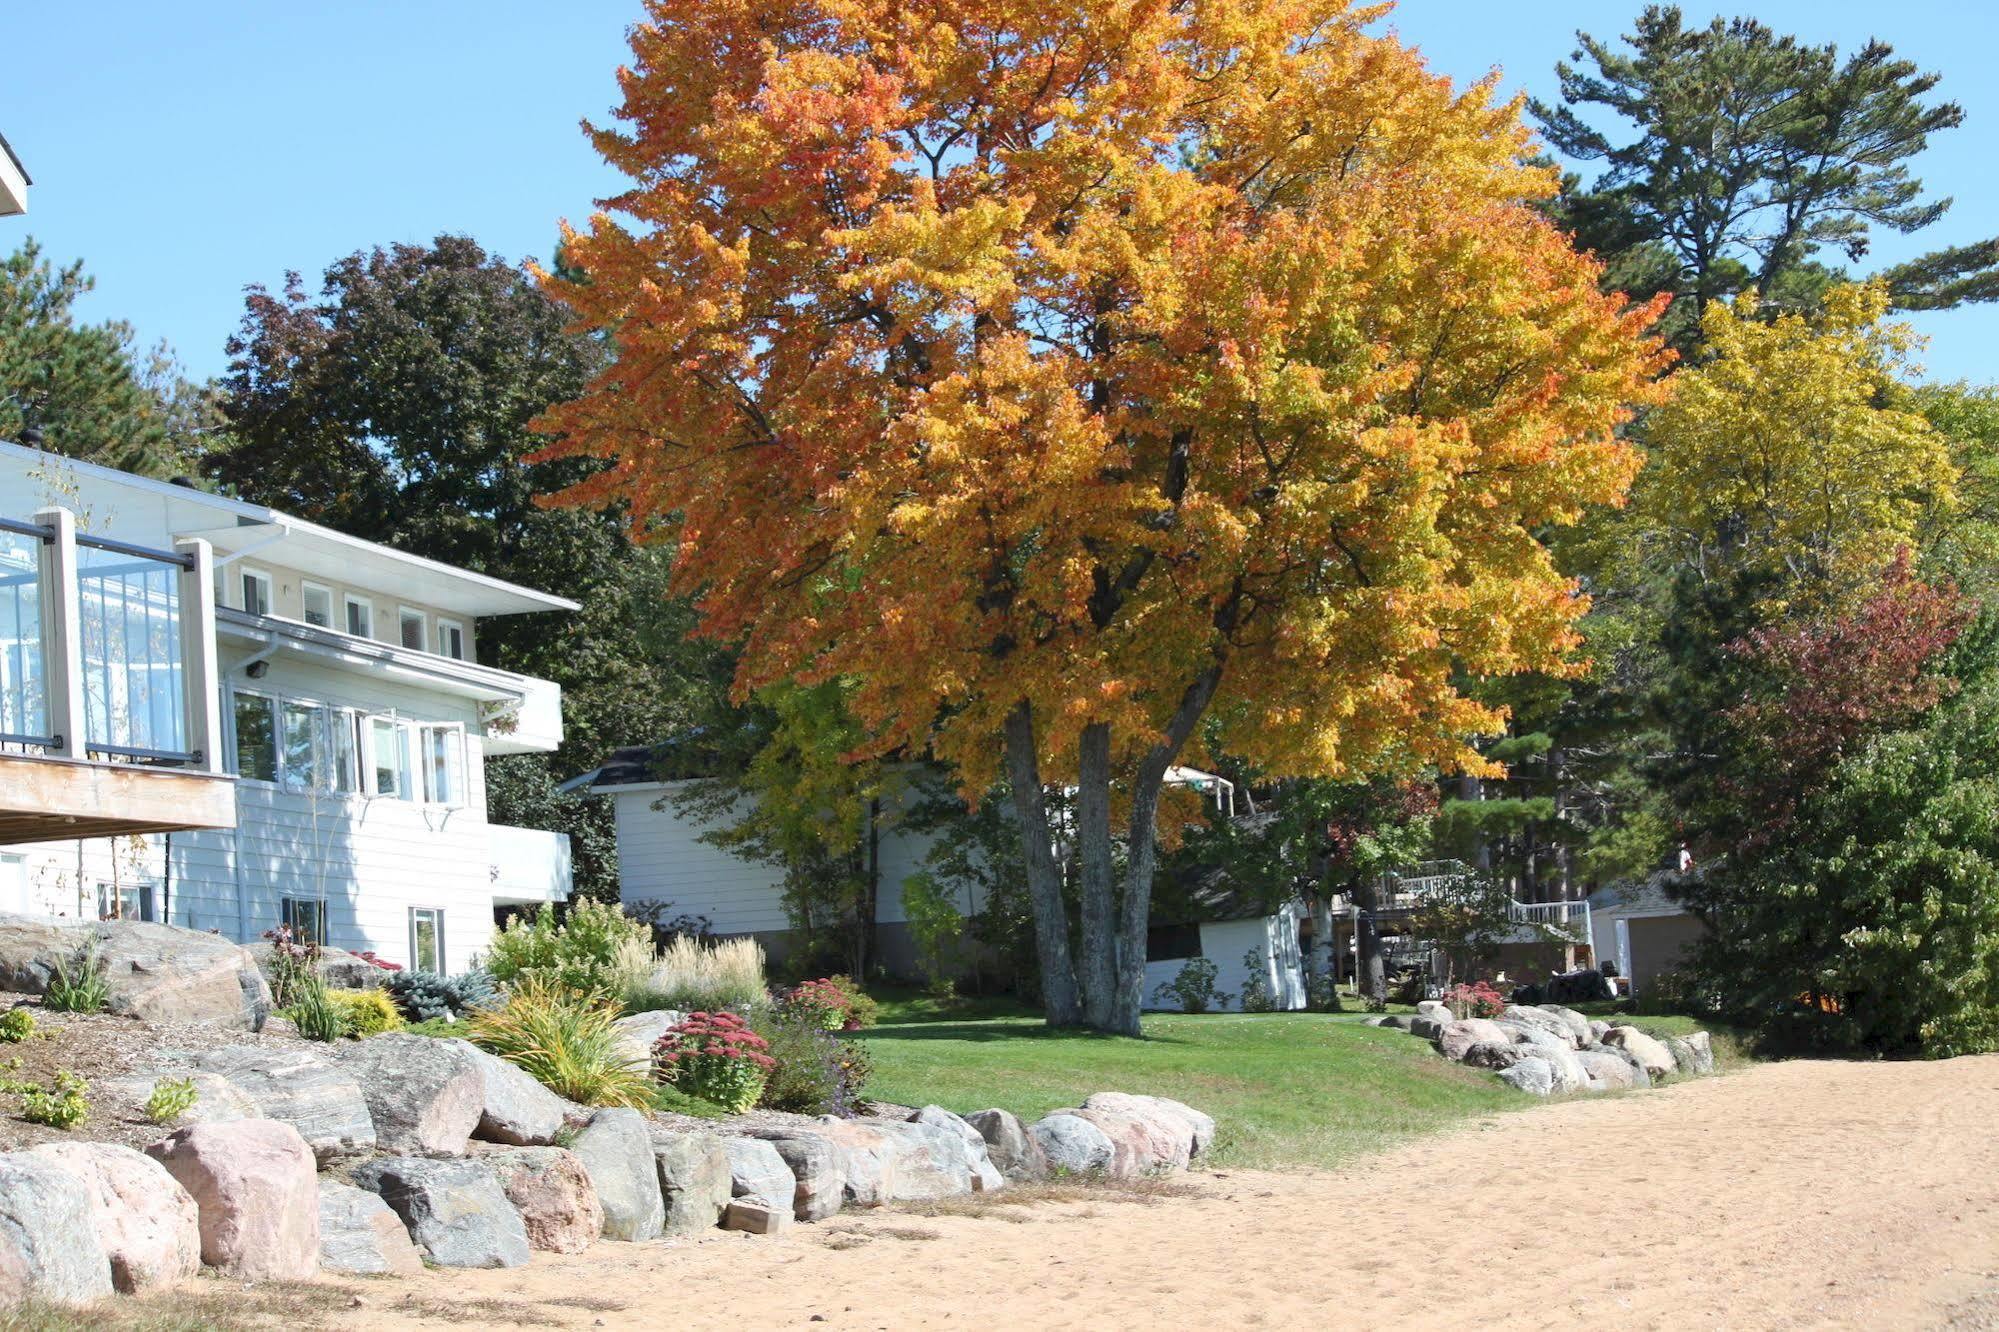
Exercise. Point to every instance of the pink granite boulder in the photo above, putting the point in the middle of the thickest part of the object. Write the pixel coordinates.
(147, 1223)
(257, 1191)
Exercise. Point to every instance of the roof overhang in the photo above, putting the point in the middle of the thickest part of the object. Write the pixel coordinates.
(466, 679)
(14, 181)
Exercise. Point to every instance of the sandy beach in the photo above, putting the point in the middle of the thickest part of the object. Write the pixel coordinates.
(1792, 1195)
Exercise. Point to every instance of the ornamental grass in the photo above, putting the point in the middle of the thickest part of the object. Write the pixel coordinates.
(564, 1041)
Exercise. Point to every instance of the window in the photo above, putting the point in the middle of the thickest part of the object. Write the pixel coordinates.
(427, 939)
(442, 766)
(256, 737)
(345, 728)
(303, 767)
(307, 918)
(256, 592)
(451, 639)
(360, 617)
(130, 901)
(1170, 943)
(388, 748)
(412, 628)
(318, 604)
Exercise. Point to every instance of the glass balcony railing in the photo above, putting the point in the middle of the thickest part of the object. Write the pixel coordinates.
(24, 705)
(134, 688)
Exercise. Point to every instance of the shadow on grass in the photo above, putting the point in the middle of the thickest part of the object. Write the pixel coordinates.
(981, 1032)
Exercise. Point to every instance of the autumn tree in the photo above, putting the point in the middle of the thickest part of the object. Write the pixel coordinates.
(1067, 374)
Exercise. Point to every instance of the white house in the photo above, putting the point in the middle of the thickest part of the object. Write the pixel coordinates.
(221, 716)
(1642, 928)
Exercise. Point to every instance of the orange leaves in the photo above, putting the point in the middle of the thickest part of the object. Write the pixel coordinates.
(1057, 349)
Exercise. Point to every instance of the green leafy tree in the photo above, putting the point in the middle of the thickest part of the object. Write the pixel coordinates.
(81, 387)
(1744, 158)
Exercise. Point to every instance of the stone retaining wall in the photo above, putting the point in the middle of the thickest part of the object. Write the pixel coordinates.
(1546, 1049)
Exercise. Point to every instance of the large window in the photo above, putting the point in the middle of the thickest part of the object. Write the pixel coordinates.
(256, 592)
(389, 758)
(451, 639)
(256, 737)
(427, 939)
(127, 901)
(307, 918)
(318, 604)
(443, 775)
(412, 628)
(304, 760)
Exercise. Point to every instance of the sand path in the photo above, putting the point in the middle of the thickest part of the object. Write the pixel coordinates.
(1789, 1195)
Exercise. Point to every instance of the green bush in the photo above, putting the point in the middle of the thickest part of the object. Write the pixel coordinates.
(425, 996)
(79, 984)
(598, 951)
(564, 1040)
(17, 1024)
(1194, 987)
(62, 1106)
(717, 1057)
(170, 1099)
(366, 1012)
(814, 1072)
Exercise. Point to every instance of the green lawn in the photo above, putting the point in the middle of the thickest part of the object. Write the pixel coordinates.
(1286, 1089)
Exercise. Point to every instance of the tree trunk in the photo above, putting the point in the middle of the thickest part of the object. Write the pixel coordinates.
(1135, 910)
(1044, 879)
(1373, 977)
(1096, 968)
(1321, 964)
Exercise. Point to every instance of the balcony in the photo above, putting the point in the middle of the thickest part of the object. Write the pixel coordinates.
(108, 704)
(528, 866)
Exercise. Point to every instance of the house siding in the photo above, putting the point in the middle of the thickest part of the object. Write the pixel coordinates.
(1225, 943)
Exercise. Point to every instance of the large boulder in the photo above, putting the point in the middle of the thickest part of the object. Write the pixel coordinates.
(1487, 1055)
(1428, 1028)
(871, 1159)
(1173, 1116)
(695, 1182)
(1532, 1074)
(1462, 1036)
(985, 1176)
(1011, 1147)
(425, 1096)
(639, 1032)
(157, 973)
(928, 1162)
(552, 1192)
(147, 1223)
(1073, 1146)
(1579, 1026)
(1540, 1019)
(1606, 1071)
(1435, 1010)
(757, 1171)
(319, 1098)
(49, 1248)
(514, 1108)
(456, 1211)
(1136, 1146)
(359, 1235)
(257, 1189)
(616, 1151)
(819, 1165)
(337, 967)
(216, 1099)
(1693, 1054)
(1652, 1054)
(1639, 1077)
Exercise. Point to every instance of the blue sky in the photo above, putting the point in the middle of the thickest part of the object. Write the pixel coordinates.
(185, 150)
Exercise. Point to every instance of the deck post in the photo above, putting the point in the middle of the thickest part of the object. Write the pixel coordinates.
(63, 634)
(199, 682)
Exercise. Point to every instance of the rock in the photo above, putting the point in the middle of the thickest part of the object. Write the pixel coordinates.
(147, 1223)
(1540, 1019)
(424, 1095)
(639, 1032)
(360, 1236)
(616, 1150)
(319, 1098)
(1487, 1055)
(1570, 1075)
(756, 1217)
(552, 1192)
(1606, 1071)
(1685, 1062)
(1597, 1028)
(985, 1176)
(337, 967)
(456, 1211)
(1428, 1029)
(1579, 1026)
(1073, 1146)
(1433, 1010)
(928, 1162)
(216, 1099)
(871, 1159)
(1655, 1057)
(514, 1108)
(49, 1248)
(1461, 1036)
(157, 973)
(1394, 1021)
(757, 1171)
(1639, 1077)
(694, 1180)
(1532, 1074)
(820, 1167)
(1199, 1126)
(257, 1190)
(1015, 1151)
(1703, 1050)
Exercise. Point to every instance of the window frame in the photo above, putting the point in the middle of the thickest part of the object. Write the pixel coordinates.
(289, 913)
(348, 602)
(454, 732)
(457, 629)
(436, 914)
(248, 575)
(306, 588)
(270, 702)
(404, 615)
(400, 730)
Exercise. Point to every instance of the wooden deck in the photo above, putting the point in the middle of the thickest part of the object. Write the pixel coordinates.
(51, 799)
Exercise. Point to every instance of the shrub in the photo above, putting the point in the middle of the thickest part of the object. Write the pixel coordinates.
(425, 996)
(170, 1099)
(367, 1012)
(79, 984)
(834, 1003)
(1477, 1000)
(1194, 987)
(313, 1011)
(294, 963)
(813, 1072)
(597, 951)
(1256, 985)
(862, 1011)
(564, 1040)
(717, 1057)
(62, 1106)
(702, 977)
(17, 1024)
